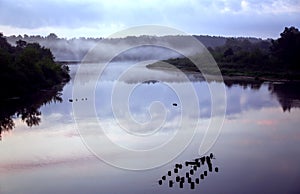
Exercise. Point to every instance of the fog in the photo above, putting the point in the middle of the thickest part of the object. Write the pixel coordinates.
(131, 48)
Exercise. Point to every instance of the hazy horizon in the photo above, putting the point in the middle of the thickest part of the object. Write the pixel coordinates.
(73, 18)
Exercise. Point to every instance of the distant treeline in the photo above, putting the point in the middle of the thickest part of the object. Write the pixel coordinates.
(76, 48)
(259, 59)
(27, 68)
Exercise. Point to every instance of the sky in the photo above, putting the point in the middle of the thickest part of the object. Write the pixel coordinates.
(100, 18)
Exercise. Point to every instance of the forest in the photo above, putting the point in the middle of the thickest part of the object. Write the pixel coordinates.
(265, 59)
(27, 68)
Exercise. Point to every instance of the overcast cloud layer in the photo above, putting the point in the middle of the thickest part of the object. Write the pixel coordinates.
(75, 18)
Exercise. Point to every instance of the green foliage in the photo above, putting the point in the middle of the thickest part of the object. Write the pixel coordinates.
(274, 59)
(27, 68)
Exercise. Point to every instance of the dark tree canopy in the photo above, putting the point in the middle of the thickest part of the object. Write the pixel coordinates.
(27, 68)
(286, 49)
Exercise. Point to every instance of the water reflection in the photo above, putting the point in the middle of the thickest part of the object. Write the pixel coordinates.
(286, 93)
(27, 108)
(258, 129)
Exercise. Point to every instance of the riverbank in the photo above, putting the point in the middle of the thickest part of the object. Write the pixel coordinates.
(228, 74)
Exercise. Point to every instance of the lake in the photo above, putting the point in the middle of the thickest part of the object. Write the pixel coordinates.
(257, 148)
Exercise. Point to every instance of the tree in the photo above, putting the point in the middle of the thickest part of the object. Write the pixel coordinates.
(52, 36)
(286, 48)
(21, 43)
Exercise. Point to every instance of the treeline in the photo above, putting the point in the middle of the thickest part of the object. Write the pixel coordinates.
(260, 59)
(75, 49)
(26, 68)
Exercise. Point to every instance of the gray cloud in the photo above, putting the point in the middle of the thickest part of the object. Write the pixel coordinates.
(218, 17)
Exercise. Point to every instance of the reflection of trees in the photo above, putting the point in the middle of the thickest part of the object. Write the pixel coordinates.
(288, 94)
(26, 108)
(31, 116)
(253, 84)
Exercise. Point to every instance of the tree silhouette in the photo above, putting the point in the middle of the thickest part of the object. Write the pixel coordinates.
(286, 48)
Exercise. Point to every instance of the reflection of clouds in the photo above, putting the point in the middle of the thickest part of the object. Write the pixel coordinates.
(240, 100)
(266, 122)
(48, 162)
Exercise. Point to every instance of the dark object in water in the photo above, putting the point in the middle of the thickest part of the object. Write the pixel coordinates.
(175, 170)
(202, 176)
(177, 178)
(160, 182)
(182, 179)
(195, 168)
(169, 173)
(211, 155)
(181, 184)
(202, 159)
(205, 173)
(85, 98)
(70, 100)
(191, 172)
(190, 163)
(163, 178)
(197, 180)
(208, 160)
(178, 166)
(170, 183)
(187, 174)
(174, 104)
(217, 169)
(192, 185)
(189, 180)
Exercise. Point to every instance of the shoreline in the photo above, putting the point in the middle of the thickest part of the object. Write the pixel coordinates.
(225, 77)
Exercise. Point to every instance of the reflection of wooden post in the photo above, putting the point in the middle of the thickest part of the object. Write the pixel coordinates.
(177, 178)
(210, 168)
(205, 173)
(169, 173)
(163, 178)
(181, 184)
(175, 170)
(160, 182)
(192, 185)
(202, 176)
(217, 169)
(170, 183)
(197, 180)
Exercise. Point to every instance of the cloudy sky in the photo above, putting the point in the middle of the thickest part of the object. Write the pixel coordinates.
(100, 18)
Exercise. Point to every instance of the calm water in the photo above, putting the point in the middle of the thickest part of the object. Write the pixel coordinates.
(257, 151)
